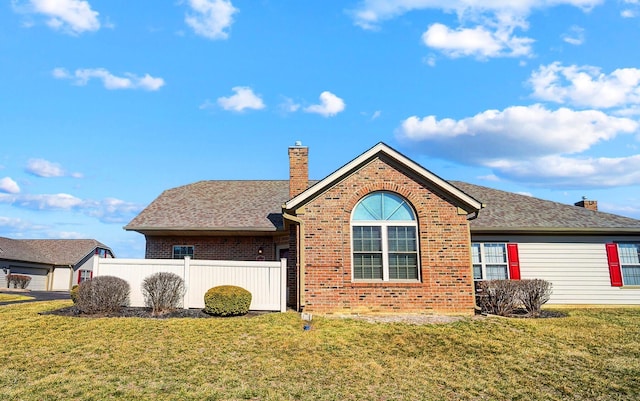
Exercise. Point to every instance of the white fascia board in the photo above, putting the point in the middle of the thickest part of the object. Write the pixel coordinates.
(321, 185)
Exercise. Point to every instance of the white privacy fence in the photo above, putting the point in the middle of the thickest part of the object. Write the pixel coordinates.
(266, 281)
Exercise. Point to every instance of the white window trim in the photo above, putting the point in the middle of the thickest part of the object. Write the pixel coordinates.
(173, 253)
(384, 224)
(483, 260)
(623, 265)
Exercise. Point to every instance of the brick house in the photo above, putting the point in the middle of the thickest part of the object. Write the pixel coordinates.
(384, 234)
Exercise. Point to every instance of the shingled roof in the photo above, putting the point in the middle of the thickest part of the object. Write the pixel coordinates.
(510, 212)
(255, 206)
(216, 206)
(58, 252)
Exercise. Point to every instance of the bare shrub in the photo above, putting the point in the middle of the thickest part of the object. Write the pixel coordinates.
(534, 294)
(18, 281)
(102, 294)
(498, 297)
(162, 292)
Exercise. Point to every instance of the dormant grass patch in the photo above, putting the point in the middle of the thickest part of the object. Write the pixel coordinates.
(592, 354)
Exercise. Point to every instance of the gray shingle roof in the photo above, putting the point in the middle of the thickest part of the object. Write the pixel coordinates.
(256, 206)
(59, 252)
(216, 205)
(506, 211)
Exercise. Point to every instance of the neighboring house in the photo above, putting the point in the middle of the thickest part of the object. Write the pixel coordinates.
(384, 234)
(52, 264)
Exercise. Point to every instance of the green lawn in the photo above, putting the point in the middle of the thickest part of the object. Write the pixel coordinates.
(593, 354)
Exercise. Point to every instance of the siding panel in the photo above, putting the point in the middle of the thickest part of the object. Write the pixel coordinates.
(579, 273)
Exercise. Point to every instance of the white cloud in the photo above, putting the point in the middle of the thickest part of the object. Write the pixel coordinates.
(110, 81)
(586, 86)
(47, 169)
(329, 106)
(479, 41)
(9, 186)
(518, 131)
(628, 14)
(289, 106)
(574, 172)
(489, 177)
(370, 13)
(109, 210)
(242, 100)
(529, 144)
(575, 36)
(71, 16)
(19, 224)
(44, 168)
(376, 114)
(211, 18)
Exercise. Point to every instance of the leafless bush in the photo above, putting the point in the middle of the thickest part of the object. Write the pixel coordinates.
(498, 297)
(534, 294)
(504, 297)
(18, 281)
(162, 292)
(102, 294)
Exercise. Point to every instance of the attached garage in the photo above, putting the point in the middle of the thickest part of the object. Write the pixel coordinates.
(38, 277)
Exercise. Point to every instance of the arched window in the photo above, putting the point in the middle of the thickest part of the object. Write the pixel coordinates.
(384, 239)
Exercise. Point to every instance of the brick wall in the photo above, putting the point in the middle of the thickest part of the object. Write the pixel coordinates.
(446, 283)
(298, 170)
(242, 248)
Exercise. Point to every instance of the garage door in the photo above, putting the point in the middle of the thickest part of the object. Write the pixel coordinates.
(38, 277)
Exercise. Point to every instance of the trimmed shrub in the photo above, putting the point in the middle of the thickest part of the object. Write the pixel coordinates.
(162, 292)
(534, 294)
(227, 300)
(505, 297)
(18, 280)
(102, 294)
(74, 293)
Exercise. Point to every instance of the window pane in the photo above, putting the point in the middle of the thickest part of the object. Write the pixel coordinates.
(495, 253)
(629, 254)
(403, 266)
(367, 266)
(631, 275)
(496, 272)
(402, 239)
(383, 206)
(475, 253)
(367, 239)
(395, 208)
(180, 251)
(477, 272)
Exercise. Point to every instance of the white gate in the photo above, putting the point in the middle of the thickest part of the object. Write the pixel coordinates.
(266, 281)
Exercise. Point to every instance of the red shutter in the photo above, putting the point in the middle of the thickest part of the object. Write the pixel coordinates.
(79, 276)
(614, 265)
(514, 261)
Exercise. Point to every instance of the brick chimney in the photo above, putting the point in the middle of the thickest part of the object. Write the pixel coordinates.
(298, 169)
(587, 204)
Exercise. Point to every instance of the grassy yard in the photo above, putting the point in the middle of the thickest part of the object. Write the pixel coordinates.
(593, 354)
(13, 297)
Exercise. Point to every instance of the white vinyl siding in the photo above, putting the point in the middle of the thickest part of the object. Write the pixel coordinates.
(579, 273)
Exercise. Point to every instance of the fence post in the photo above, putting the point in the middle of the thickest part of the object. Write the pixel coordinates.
(186, 273)
(283, 285)
(96, 266)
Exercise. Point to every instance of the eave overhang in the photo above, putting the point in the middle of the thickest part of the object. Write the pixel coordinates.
(557, 230)
(201, 231)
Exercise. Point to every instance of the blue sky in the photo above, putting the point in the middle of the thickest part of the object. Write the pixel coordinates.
(105, 104)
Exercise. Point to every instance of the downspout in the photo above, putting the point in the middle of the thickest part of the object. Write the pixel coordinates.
(299, 257)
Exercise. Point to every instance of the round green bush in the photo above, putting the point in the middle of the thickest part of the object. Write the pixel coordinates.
(74, 293)
(227, 300)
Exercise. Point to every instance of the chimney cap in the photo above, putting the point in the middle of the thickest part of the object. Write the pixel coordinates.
(298, 143)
